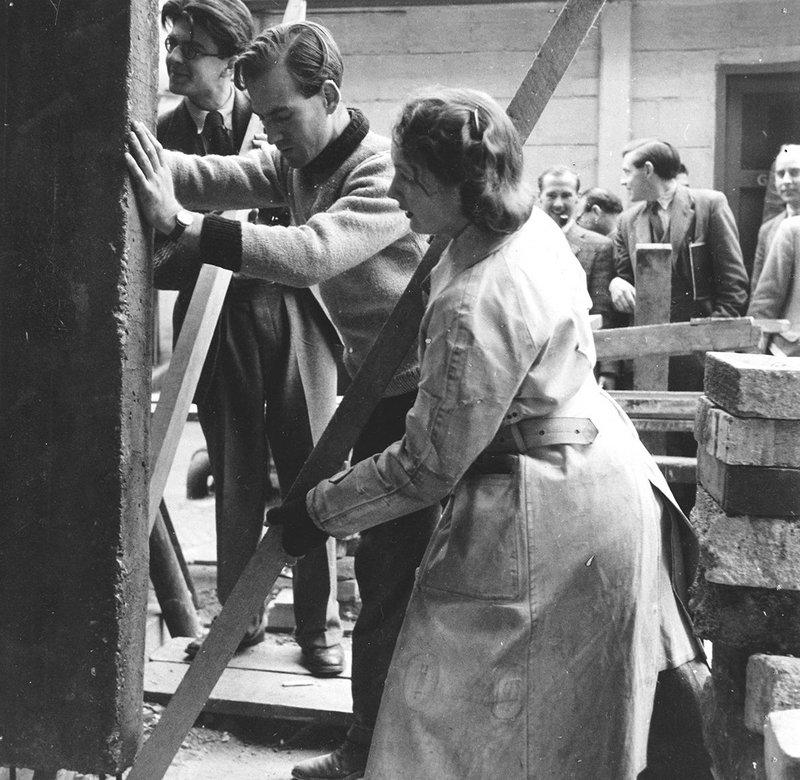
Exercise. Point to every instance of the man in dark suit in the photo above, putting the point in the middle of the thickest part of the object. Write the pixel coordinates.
(558, 198)
(708, 274)
(251, 398)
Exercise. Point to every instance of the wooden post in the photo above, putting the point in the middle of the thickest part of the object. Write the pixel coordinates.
(653, 274)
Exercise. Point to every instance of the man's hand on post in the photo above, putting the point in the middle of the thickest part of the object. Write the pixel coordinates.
(151, 179)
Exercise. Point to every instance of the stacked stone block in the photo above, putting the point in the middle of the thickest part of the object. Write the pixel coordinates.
(747, 597)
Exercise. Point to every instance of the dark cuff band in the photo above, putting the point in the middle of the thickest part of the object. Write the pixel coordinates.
(221, 242)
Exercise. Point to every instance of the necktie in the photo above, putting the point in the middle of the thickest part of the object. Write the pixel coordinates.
(656, 225)
(217, 136)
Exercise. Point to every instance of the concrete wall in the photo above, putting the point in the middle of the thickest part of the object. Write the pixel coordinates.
(677, 46)
(74, 384)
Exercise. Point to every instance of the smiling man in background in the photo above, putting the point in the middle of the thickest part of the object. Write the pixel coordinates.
(558, 198)
(787, 184)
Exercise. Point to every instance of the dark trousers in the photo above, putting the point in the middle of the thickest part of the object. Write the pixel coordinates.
(675, 747)
(385, 563)
(250, 401)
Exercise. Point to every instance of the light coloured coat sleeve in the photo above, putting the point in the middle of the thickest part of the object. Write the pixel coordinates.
(468, 381)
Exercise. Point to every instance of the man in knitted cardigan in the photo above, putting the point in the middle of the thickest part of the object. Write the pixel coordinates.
(350, 243)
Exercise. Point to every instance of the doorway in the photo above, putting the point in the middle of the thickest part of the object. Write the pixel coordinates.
(758, 111)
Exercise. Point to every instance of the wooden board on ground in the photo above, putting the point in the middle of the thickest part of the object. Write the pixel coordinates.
(265, 681)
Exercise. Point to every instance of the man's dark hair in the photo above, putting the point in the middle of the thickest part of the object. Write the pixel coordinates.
(307, 49)
(560, 170)
(228, 22)
(604, 199)
(663, 156)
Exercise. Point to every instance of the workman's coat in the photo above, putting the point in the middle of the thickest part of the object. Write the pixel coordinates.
(542, 611)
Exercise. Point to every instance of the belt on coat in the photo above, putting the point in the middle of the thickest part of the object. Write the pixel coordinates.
(528, 434)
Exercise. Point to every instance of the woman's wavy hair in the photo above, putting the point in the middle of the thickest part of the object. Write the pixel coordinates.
(464, 138)
(308, 50)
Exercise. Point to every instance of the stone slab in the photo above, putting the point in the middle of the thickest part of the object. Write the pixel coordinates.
(751, 620)
(763, 491)
(749, 385)
(773, 683)
(746, 441)
(756, 552)
(782, 745)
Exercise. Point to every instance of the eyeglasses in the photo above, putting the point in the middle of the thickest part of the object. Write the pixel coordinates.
(189, 49)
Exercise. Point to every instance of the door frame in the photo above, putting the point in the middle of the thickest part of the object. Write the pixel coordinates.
(723, 71)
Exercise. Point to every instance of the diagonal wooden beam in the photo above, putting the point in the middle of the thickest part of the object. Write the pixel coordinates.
(394, 340)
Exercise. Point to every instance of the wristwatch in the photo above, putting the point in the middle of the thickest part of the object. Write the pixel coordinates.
(183, 219)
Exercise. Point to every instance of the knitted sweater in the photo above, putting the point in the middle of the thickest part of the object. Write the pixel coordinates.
(347, 235)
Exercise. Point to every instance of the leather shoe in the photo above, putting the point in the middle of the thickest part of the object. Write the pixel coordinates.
(323, 661)
(347, 762)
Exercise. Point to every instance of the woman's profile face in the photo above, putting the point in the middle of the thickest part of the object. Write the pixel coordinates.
(431, 206)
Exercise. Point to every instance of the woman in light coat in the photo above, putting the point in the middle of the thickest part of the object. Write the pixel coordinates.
(543, 609)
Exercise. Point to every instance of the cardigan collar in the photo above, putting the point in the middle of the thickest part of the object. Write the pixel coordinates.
(340, 148)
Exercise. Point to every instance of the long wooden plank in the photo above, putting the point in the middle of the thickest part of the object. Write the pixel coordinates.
(677, 405)
(566, 35)
(182, 377)
(260, 694)
(677, 338)
(265, 657)
(363, 394)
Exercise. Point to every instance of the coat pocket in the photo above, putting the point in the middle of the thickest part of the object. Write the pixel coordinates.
(475, 550)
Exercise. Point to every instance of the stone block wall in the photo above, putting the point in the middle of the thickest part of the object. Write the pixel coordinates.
(747, 599)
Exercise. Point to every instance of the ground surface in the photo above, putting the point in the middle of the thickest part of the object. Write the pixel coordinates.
(225, 747)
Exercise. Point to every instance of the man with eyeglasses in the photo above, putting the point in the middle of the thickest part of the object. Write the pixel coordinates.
(250, 397)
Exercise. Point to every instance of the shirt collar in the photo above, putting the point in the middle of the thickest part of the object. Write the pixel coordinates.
(198, 115)
(666, 199)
